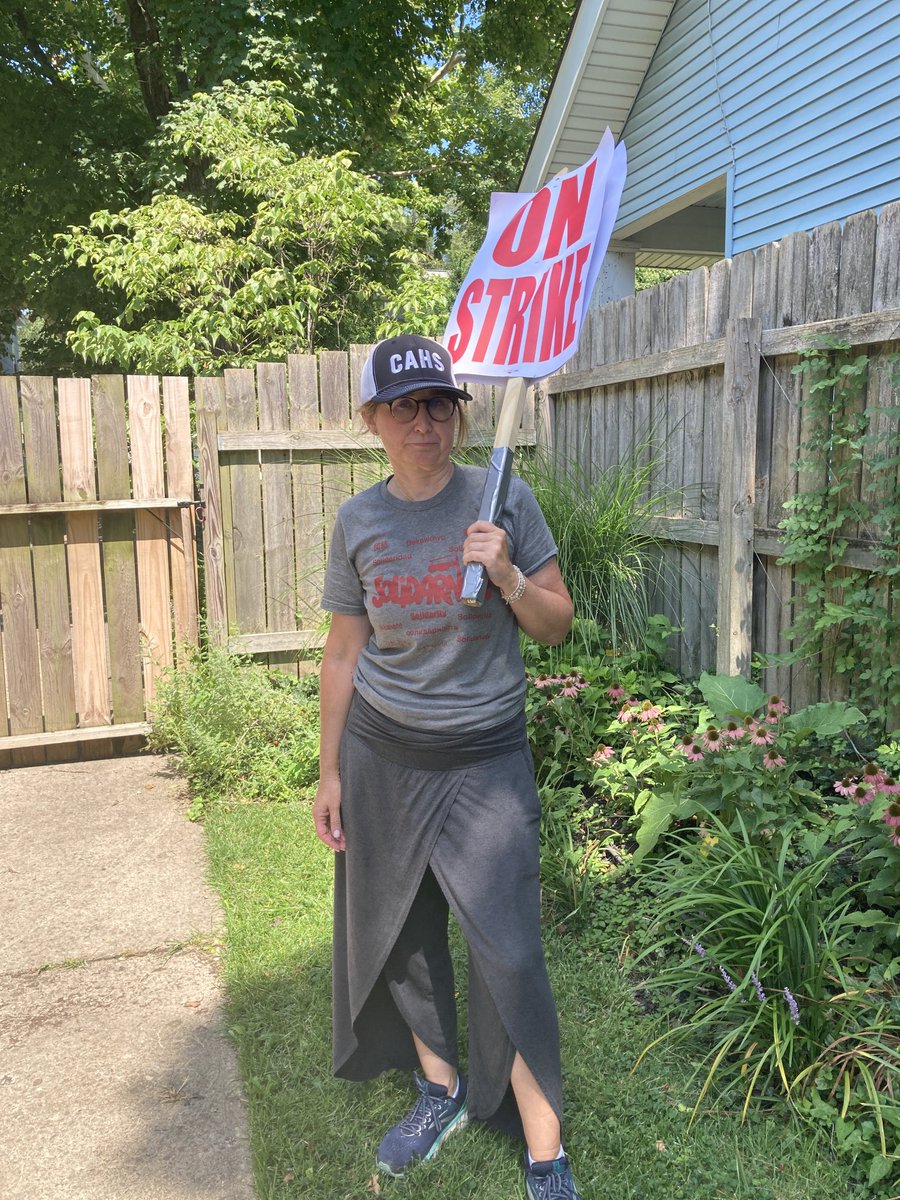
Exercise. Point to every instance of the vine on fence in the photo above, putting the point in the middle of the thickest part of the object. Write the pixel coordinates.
(845, 615)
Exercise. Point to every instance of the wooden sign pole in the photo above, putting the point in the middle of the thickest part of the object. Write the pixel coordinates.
(497, 482)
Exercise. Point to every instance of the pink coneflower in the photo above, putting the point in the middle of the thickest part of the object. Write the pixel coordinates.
(762, 735)
(627, 712)
(890, 786)
(649, 711)
(772, 759)
(895, 838)
(692, 752)
(712, 738)
(892, 813)
(543, 681)
(872, 775)
(616, 692)
(845, 786)
(772, 716)
(861, 794)
(732, 731)
(601, 755)
(777, 705)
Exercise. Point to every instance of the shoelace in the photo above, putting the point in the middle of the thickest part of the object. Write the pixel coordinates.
(424, 1115)
(555, 1184)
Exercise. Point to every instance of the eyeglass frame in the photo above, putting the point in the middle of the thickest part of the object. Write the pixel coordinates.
(454, 400)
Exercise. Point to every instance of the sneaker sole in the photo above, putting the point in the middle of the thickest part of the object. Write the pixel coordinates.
(459, 1122)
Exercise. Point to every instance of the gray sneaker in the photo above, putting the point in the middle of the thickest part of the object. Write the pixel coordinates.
(550, 1180)
(419, 1135)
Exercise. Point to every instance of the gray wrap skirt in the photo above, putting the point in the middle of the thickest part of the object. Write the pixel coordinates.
(437, 823)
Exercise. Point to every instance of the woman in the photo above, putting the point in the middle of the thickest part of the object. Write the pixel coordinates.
(427, 789)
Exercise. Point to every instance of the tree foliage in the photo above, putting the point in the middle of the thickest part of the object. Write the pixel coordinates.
(299, 250)
(434, 101)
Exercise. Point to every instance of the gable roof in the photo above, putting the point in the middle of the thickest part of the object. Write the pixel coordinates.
(603, 64)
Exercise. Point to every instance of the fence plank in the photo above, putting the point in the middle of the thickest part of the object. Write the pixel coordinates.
(334, 400)
(765, 308)
(790, 311)
(48, 534)
(210, 403)
(626, 349)
(718, 300)
(180, 485)
(248, 614)
(119, 561)
(643, 319)
(278, 515)
(150, 529)
(693, 603)
(364, 469)
(92, 694)
(20, 635)
(822, 278)
(480, 411)
(306, 484)
(886, 295)
(735, 604)
(674, 477)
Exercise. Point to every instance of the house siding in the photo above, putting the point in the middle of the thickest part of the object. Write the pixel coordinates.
(802, 103)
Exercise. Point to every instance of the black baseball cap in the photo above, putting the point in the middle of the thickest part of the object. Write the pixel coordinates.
(403, 364)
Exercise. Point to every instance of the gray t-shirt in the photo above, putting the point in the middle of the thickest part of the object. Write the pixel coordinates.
(432, 662)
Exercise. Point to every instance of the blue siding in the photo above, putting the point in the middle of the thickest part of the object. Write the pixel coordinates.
(801, 97)
(674, 132)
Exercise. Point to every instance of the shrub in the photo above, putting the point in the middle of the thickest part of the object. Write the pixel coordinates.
(607, 550)
(242, 730)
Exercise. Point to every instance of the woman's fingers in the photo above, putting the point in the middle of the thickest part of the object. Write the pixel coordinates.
(327, 818)
(487, 544)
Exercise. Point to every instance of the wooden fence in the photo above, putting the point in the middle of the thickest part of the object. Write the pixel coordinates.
(702, 369)
(98, 582)
(280, 449)
(98, 579)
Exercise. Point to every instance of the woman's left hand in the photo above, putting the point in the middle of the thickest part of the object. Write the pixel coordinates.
(487, 544)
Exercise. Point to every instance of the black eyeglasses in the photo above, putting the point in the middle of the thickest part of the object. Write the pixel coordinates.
(440, 408)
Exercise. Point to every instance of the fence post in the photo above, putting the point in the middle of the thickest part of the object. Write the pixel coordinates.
(736, 495)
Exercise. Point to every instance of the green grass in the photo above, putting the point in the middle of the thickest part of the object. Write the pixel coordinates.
(315, 1136)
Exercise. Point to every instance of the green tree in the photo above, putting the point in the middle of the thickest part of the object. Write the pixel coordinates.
(297, 251)
(435, 101)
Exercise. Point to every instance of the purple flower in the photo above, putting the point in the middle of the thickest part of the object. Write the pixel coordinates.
(793, 1006)
(759, 987)
(732, 986)
(699, 949)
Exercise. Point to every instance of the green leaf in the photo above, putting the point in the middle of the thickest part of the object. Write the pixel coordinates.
(880, 1168)
(825, 720)
(731, 695)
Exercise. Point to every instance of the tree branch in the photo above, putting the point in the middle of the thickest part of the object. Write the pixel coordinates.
(87, 63)
(148, 60)
(456, 57)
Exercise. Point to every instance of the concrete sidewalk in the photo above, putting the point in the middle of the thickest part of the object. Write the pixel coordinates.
(116, 1076)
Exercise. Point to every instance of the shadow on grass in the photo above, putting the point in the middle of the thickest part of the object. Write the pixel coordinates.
(315, 1136)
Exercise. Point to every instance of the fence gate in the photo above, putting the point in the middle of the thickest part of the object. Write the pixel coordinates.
(98, 581)
(279, 450)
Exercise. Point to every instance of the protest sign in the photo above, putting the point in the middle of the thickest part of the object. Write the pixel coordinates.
(521, 305)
